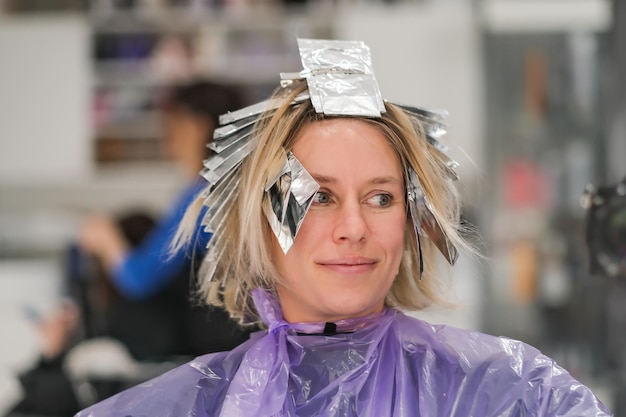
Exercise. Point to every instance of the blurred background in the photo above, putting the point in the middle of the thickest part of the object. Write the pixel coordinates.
(536, 94)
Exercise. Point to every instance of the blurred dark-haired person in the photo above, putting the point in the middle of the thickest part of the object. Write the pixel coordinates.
(190, 113)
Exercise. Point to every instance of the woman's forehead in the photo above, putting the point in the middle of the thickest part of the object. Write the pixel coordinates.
(344, 146)
(334, 129)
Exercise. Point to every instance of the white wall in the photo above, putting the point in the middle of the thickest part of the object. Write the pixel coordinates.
(48, 180)
(45, 87)
(523, 16)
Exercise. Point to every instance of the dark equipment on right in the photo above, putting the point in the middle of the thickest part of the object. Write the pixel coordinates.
(606, 229)
(606, 240)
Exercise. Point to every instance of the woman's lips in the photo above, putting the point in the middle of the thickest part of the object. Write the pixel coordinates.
(349, 265)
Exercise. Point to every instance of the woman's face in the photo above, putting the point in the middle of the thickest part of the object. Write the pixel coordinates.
(185, 137)
(348, 249)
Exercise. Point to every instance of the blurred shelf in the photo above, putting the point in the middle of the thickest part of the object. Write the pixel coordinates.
(124, 72)
(173, 20)
(241, 68)
(181, 19)
(138, 52)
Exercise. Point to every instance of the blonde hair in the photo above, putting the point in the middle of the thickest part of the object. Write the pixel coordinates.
(247, 238)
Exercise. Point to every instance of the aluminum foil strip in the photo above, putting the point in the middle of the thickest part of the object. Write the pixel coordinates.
(321, 55)
(215, 175)
(216, 223)
(229, 129)
(434, 129)
(215, 171)
(340, 77)
(356, 102)
(433, 114)
(424, 220)
(218, 207)
(219, 191)
(218, 159)
(303, 186)
(278, 195)
(236, 137)
(282, 171)
(290, 196)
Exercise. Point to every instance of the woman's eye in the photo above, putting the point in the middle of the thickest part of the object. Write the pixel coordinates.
(381, 200)
(321, 197)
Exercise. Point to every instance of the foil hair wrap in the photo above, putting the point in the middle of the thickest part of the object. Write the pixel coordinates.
(291, 194)
(431, 122)
(232, 143)
(340, 78)
(385, 364)
(340, 81)
(425, 223)
(424, 220)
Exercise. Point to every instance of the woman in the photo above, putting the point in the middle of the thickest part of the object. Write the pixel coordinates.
(151, 288)
(190, 113)
(336, 206)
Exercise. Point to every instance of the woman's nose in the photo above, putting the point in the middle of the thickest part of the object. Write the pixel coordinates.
(350, 225)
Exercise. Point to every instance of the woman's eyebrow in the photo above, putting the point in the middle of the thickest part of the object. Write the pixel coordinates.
(325, 179)
(385, 180)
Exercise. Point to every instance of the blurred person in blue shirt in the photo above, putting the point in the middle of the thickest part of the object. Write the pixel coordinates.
(147, 272)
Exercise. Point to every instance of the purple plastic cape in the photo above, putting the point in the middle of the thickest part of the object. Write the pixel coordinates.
(387, 364)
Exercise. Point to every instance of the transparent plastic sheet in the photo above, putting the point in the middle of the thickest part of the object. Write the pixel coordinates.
(386, 364)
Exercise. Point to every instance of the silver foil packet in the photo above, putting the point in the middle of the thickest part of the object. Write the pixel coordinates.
(340, 78)
(424, 221)
(290, 194)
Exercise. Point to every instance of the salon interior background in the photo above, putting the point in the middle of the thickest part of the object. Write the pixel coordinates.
(532, 88)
